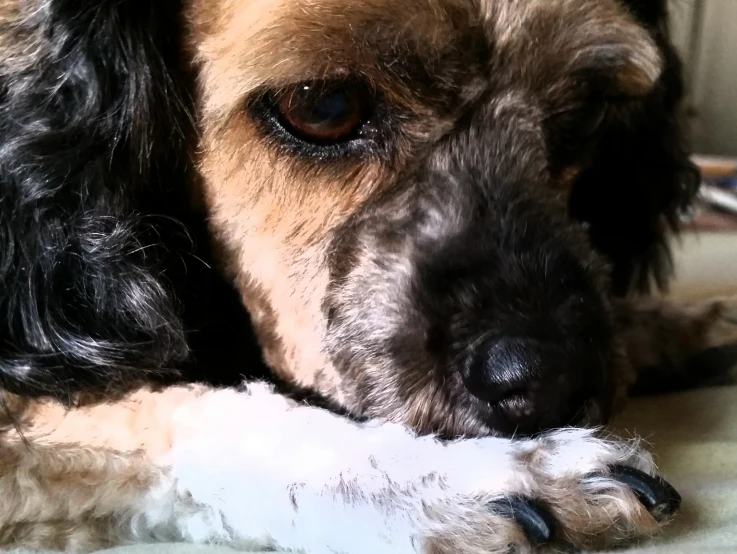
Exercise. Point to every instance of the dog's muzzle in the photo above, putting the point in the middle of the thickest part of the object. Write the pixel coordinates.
(468, 290)
(524, 319)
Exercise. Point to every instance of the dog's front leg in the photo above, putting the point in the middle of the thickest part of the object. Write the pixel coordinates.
(254, 470)
(677, 345)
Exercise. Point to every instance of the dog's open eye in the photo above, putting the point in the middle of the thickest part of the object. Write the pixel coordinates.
(323, 114)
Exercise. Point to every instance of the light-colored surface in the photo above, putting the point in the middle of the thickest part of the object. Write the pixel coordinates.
(682, 27)
(706, 265)
(694, 434)
(713, 79)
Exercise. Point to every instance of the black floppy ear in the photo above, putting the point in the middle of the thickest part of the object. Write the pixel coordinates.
(92, 131)
(642, 177)
(652, 13)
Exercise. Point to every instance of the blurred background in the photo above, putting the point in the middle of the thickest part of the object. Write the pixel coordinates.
(705, 32)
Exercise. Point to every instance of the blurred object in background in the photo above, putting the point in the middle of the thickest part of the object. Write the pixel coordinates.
(705, 34)
(716, 209)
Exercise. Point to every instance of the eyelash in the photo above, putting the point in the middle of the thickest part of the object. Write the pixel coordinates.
(263, 109)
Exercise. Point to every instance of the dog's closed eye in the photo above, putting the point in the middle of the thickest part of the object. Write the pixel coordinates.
(590, 117)
(581, 120)
(573, 131)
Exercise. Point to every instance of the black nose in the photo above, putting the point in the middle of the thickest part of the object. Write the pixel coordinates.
(532, 385)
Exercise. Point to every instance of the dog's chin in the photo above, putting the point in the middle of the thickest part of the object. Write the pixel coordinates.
(445, 409)
(480, 419)
(497, 422)
(466, 418)
(440, 403)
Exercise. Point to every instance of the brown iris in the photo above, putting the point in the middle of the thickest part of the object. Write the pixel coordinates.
(323, 114)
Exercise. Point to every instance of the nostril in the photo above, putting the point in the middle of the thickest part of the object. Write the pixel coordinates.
(528, 385)
(501, 369)
(513, 398)
(513, 393)
(517, 404)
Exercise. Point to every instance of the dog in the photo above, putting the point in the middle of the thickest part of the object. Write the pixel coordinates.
(423, 231)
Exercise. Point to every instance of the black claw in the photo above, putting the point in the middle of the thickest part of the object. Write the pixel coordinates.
(656, 494)
(535, 520)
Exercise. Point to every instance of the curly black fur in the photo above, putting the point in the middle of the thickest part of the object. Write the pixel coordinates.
(642, 178)
(93, 154)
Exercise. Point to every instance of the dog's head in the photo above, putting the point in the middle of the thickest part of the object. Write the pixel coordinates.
(425, 204)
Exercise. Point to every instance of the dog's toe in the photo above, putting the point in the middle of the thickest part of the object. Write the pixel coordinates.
(655, 493)
(535, 520)
(569, 489)
(539, 524)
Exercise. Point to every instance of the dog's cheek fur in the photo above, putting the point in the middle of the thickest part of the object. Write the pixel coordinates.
(379, 337)
(642, 177)
(90, 116)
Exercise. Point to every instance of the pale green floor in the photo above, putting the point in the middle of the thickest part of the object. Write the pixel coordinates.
(706, 264)
(694, 434)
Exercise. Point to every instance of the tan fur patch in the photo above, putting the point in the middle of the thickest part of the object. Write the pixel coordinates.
(272, 219)
(74, 479)
(19, 49)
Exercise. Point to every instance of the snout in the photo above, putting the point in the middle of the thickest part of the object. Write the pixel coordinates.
(520, 302)
(537, 342)
(530, 385)
(465, 301)
(531, 340)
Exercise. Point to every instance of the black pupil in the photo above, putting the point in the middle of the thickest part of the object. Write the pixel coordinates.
(331, 107)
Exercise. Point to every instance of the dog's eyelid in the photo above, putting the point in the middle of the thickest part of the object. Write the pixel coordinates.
(318, 124)
(597, 104)
(317, 88)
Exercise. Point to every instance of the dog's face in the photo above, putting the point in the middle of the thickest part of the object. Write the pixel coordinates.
(391, 181)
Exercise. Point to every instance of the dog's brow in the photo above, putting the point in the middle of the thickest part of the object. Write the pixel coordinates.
(392, 45)
(418, 53)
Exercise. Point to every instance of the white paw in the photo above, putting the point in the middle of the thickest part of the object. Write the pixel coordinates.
(253, 470)
(569, 489)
